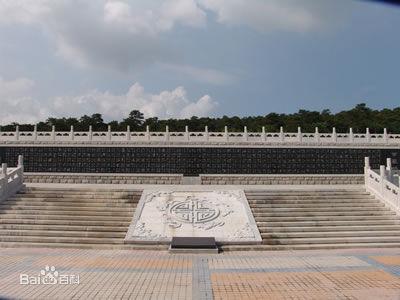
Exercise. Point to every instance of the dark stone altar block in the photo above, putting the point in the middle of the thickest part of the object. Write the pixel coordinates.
(192, 161)
(193, 244)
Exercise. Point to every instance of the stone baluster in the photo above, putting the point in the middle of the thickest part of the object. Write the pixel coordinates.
(4, 170)
(109, 133)
(148, 132)
(226, 134)
(368, 135)
(17, 133)
(281, 134)
(21, 165)
(299, 135)
(187, 136)
(71, 134)
(166, 133)
(128, 133)
(90, 133)
(245, 134)
(389, 169)
(206, 133)
(334, 135)
(382, 172)
(316, 135)
(53, 133)
(351, 136)
(385, 136)
(263, 135)
(35, 135)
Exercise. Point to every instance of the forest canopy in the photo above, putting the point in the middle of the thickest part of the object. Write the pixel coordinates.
(359, 118)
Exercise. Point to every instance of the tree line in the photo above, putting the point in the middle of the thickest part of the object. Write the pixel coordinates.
(359, 118)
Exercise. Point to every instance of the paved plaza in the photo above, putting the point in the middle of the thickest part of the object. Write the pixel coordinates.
(123, 274)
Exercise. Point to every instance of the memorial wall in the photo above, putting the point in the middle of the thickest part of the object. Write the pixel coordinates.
(192, 161)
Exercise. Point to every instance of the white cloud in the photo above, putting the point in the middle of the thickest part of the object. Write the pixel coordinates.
(124, 34)
(18, 106)
(272, 15)
(211, 76)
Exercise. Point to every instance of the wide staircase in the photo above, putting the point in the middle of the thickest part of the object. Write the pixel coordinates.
(73, 218)
(323, 219)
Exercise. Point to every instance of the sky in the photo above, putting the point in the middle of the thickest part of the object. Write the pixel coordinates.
(179, 58)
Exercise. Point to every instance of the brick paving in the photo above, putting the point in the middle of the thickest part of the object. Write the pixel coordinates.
(129, 274)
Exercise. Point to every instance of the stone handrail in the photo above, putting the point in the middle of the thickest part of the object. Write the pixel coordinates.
(11, 179)
(383, 185)
(200, 137)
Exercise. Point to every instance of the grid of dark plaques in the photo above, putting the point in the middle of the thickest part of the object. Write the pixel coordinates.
(197, 160)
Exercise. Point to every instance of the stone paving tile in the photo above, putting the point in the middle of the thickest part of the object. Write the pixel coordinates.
(124, 274)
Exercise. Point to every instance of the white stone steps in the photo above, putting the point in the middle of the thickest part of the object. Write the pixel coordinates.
(327, 228)
(73, 217)
(311, 196)
(293, 223)
(322, 213)
(64, 222)
(315, 201)
(65, 206)
(57, 212)
(63, 233)
(73, 200)
(49, 227)
(318, 206)
(81, 196)
(330, 234)
(333, 240)
(73, 240)
(83, 246)
(326, 218)
(296, 210)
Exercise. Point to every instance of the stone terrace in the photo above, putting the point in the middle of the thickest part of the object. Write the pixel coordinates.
(124, 274)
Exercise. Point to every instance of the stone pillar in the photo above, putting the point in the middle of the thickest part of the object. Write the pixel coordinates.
(17, 133)
(367, 166)
(90, 133)
(187, 136)
(109, 133)
(128, 133)
(281, 135)
(206, 133)
(35, 133)
(245, 134)
(21, 165)
(4, 170)
(53, 133)
(71, 134)
(316, 135)
(226, 134)
(368, 135)
(385, 136)
(263, 135)
(148, 132)
(334, 135)
(166, 133)
(382, 172)
(299, 135)
(351, 135)
(389, 169)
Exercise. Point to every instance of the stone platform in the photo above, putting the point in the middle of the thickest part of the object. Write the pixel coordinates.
(223, 214)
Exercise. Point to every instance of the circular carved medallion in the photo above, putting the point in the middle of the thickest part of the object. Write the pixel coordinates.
(194, 211)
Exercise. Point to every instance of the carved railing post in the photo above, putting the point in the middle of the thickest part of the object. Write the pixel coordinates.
(206, 133)
(299, 135)
(351, 136)
(245, 134)
(166, 133)
(187, 136)
(35, 133)
(53, 133)
(385, 136)
(316, 135)
(128, 133)
(148, 132)
(368, 135)
(263, 135)
(109, 132)
(226, 134)
(71, 134)
(17, 133)
(281, 134)
(334, 135)
(90, 133)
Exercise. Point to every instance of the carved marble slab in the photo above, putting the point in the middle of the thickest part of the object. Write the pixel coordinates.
(223, 214)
